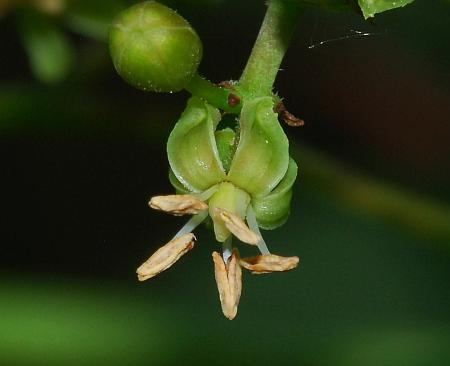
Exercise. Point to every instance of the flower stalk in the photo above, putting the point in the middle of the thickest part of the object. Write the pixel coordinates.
(263, 64)
(226, 99)
(269, 49)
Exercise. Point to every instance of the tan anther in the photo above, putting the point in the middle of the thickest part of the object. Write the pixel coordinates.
(229, 282)
(267, 263)
(178, 204)
(165, 256)
(237, 227)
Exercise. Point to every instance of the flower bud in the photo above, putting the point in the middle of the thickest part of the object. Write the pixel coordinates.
(154, 48)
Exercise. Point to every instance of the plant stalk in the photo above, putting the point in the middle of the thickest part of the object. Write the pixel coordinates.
(215, 95)
(270, 47)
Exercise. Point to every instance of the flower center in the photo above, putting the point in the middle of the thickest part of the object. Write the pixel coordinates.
(232, 199)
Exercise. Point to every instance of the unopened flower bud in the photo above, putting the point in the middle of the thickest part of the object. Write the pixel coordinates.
(154, 48)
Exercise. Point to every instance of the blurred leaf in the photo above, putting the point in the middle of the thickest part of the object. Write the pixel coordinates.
(93, 18)
(67, 323)
(371, 7)
(49, 50)
(412, 346)
(368, 7)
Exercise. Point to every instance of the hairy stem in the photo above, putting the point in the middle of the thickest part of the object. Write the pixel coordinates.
(269, 49)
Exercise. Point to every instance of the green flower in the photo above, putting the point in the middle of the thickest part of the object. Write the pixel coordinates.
(242, 179)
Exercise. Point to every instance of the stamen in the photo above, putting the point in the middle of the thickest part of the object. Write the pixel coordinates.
(192, 224)
(237, 226)
(251, 221)
(178, 204)
(227, 249)
(205, 195)
(165, 257)
(269, 263)
(229, 282)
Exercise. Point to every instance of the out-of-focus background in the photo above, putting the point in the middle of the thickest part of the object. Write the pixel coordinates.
(81, 152)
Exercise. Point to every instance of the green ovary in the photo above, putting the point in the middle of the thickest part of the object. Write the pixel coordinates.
(232, 199)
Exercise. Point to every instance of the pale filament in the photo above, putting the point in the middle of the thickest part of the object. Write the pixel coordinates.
(253, 225)
(193, 222)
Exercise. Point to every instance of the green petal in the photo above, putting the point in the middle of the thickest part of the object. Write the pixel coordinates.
(370, 7)
(262, 156)
(179, 188)
(192, 149)
(272, 210)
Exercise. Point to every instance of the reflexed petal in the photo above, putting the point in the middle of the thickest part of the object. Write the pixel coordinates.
(192, 150)
(262, 156)
(267, 263)
(165, 256)
(272, 211)
(179, 188)
(181, 204)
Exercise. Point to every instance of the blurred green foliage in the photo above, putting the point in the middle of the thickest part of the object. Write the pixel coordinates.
(50, 52)
(80, 158)
(370, 7)
(92, 18)
(366, 298)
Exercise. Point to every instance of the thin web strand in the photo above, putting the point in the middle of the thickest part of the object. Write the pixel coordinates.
(354, 34)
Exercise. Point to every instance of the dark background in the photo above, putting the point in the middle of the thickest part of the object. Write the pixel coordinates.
(370, 218)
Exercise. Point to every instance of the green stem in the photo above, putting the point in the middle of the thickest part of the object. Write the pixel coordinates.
(214, 94)
(269, 49)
